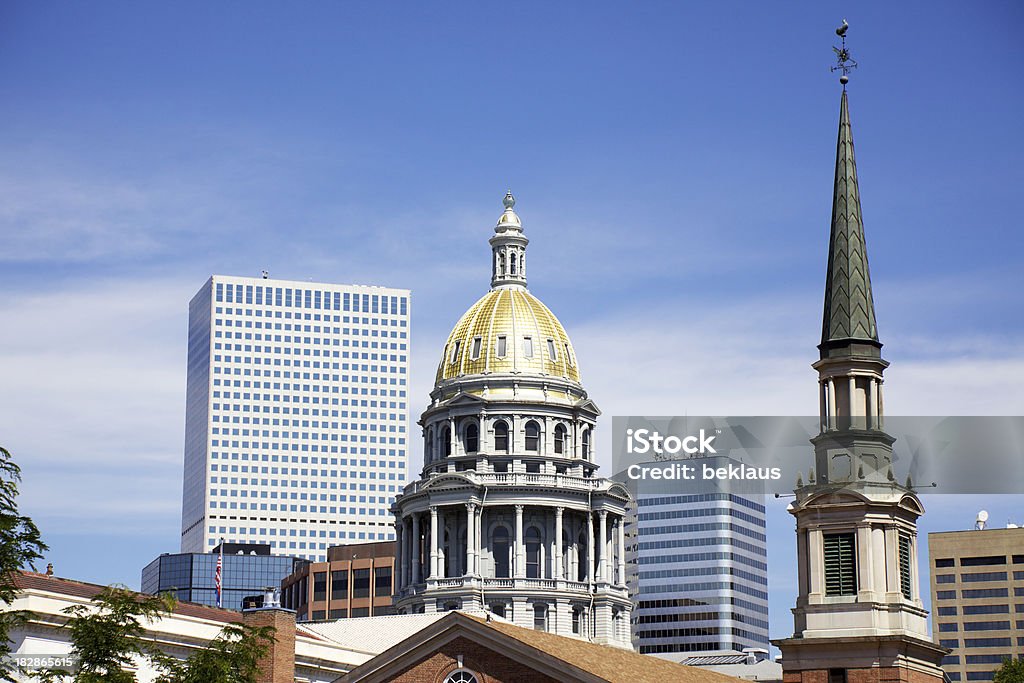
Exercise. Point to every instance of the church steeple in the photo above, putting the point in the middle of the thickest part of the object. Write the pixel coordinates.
(508, 264)
(848, 325)
(858, 614)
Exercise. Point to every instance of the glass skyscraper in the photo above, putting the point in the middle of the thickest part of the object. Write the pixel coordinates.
(296, 426)
(700, 581)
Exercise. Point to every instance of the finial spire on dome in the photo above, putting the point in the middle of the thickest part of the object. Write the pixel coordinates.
(508, 266)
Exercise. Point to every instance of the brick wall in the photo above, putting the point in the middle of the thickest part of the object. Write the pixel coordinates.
(490, 666)
(889, 674)
(278, 666)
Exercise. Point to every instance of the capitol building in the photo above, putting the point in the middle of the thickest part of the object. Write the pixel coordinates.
(509, 514)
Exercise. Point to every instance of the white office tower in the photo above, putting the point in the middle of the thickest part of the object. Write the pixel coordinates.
(701, 582)
(296, 423)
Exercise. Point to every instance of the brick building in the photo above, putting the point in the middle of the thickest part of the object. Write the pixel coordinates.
(357, 580)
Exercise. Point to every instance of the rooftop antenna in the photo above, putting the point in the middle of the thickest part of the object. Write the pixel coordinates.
(979, 523)
(844, 62)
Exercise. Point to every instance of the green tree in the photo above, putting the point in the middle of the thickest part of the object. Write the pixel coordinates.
(233, 657)
(1011, 671)
(20, 547)
(107, 635)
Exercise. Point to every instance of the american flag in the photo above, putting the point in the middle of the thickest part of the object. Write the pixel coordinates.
(216, 578)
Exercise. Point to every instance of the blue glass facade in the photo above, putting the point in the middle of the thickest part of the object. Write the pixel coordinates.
(190, 576)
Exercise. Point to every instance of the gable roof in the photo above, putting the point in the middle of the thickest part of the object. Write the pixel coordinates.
(568, 659)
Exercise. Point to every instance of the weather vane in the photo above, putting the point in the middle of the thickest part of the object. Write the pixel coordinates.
(844, 62)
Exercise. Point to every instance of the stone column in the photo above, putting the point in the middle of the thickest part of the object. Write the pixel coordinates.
(853, 397)
(590, 547)
(479, 527)
(399, 556)
(621, 523)
(865, 562)
(602, 563)
(873, 402)
(471, 538)
(881, 407)
(558, 544)
(892, 564)
(434, 545)
(830, 386)
(520, 568)
(822, 405)
(816, 564)
(417, 549)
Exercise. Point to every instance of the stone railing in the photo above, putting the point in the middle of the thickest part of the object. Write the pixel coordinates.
(563, 481)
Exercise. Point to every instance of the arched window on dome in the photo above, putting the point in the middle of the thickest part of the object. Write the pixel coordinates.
(500, 550)
(501, 264)
(533, 553)
(471, 438)
(512, 263)
(585, 444)
(560, 439)
(501, 436)
(428, 446)
(446, 437)
(532, 436)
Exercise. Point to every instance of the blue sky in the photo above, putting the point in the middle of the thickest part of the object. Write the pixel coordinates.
(673, 166)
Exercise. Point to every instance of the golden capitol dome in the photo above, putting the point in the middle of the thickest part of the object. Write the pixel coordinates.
(508, 330)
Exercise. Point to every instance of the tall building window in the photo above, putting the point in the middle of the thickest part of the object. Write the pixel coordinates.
(576, 614)
(840, 564)
(446, 437)
(560, 440)
(500, 550)
(540, 617)
(533, 543)
(501, 436)
(382, 582)
(360, 583)
(339, 585)
(472, 438)
(586, 444)
(532, 436)
(319, 586)
(906, 585)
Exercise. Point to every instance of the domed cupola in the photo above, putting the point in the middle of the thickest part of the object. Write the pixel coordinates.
(508, 514)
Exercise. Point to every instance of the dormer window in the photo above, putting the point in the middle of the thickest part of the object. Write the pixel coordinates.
(500, 346)
(528, 347)
(552, 351)
(455, 351)
(474, 352)
(568, 356)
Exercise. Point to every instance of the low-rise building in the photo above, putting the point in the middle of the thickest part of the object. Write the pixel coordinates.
(248, 570)
(357, 580)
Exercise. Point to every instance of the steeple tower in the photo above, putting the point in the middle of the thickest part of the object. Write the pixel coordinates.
(858, 606)
(508, 265)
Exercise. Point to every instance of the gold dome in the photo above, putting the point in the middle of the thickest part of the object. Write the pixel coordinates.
(512, 322)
